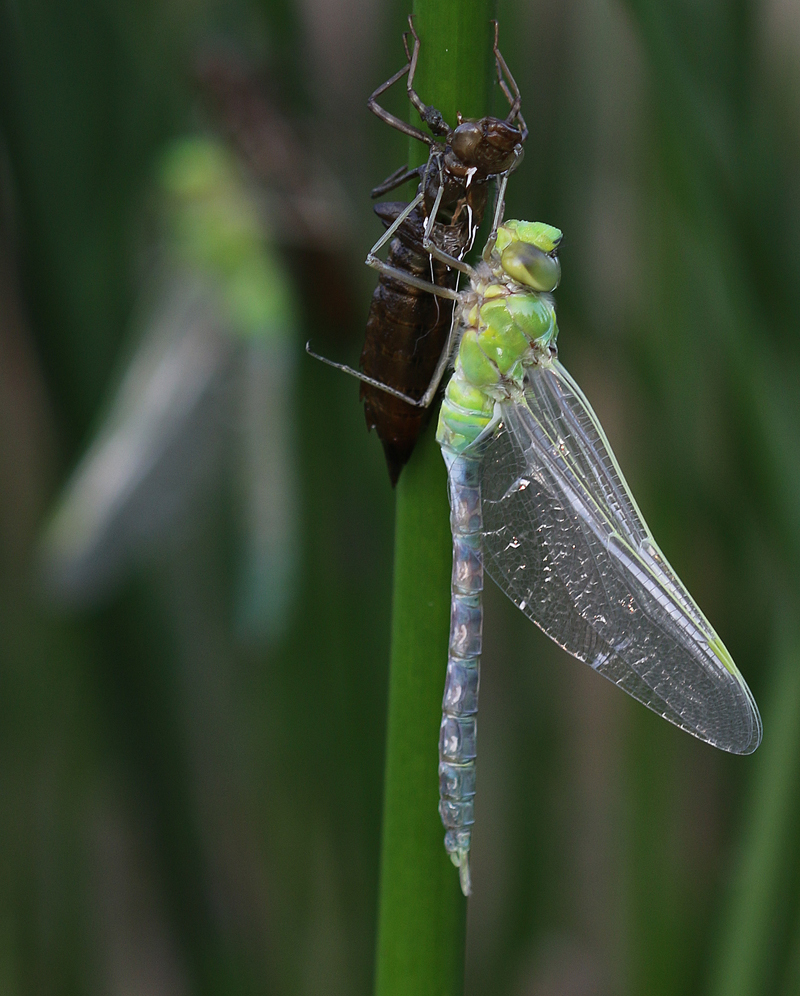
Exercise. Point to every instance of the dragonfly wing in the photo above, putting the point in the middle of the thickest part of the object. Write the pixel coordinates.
(567, 543)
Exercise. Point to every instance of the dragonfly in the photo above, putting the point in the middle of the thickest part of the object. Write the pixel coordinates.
(407, 328)
(539, 502)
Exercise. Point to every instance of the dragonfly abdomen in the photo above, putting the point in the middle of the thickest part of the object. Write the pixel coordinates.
(504, 327)
(458, 733)
(406, 332)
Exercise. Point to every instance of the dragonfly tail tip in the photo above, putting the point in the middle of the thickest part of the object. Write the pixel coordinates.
(464, 875)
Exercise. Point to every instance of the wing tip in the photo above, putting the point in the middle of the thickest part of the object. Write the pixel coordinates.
(756, 726)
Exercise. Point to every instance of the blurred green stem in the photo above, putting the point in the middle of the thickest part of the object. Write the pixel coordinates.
(748, 940)
(422, 914)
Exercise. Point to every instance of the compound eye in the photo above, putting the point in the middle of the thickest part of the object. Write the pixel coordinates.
(466, 139)
(531, 267)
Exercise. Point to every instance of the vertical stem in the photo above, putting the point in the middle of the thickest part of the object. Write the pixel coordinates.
(749, 940)
(422, 914)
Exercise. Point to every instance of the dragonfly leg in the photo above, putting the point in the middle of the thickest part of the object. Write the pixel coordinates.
(441, 366)
(417, 403)
(498, 214)
(387, 235)
(407, 278)
(401, 275)
(430, 246)
(397, 179)
(430, 392)
(510, 88)
(430, 115)
(392, 120)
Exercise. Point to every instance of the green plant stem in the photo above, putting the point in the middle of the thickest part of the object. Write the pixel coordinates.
(748, 943)
(422, 914)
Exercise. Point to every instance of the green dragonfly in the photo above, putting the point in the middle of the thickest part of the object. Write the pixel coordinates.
(538, 498)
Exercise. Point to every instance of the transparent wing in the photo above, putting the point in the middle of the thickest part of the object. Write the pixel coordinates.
(159, 442)
(567, 543)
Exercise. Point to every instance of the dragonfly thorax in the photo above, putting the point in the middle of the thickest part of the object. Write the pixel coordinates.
(490, 144)
(507, 324)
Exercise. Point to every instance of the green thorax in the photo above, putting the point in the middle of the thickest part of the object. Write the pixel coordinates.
(508, 323)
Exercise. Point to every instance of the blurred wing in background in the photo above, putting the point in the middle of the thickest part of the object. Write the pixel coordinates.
(153, 449)
(567, 543)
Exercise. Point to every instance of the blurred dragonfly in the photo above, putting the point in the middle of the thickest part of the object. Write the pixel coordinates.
(218, 334)
(536, 492)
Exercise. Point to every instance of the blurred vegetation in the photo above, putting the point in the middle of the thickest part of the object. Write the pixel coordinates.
(184, 813)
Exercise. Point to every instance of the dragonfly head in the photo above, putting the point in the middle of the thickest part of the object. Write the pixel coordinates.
(527, 252)
(489, 145)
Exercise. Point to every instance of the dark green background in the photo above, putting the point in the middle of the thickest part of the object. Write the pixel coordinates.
(183, 814)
